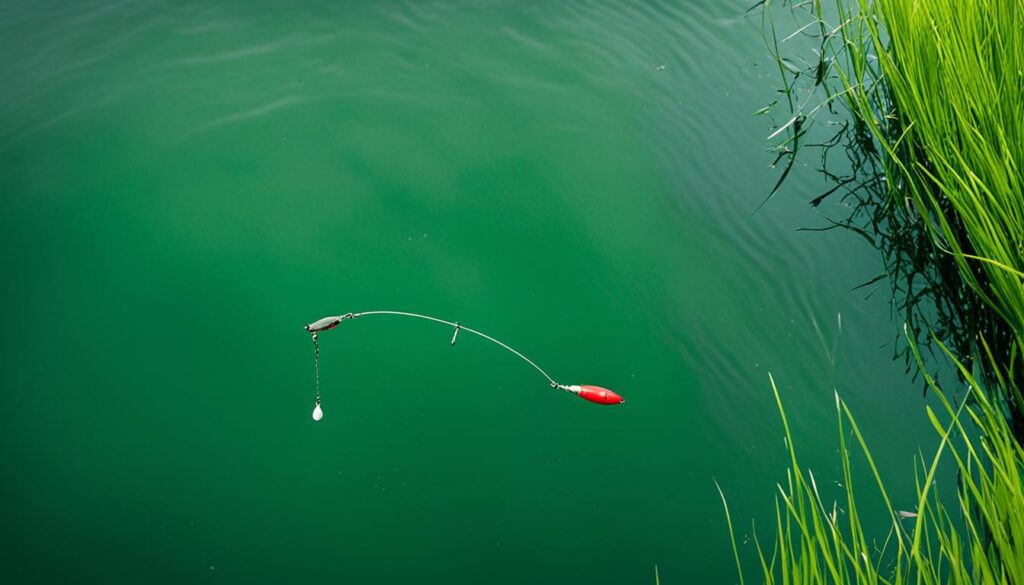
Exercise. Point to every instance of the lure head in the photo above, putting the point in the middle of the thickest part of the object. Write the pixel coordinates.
(596, 394)
(323, 324)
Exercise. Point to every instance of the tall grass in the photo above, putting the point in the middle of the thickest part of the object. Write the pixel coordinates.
(926, 99)
(979, 540)
(955, 73)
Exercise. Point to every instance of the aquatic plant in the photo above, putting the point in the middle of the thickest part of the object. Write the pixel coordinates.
(924, 101)
(979, 540)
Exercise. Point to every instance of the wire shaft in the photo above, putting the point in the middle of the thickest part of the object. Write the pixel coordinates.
(462, 328)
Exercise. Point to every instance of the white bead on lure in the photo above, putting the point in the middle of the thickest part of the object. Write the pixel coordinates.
(594, 394)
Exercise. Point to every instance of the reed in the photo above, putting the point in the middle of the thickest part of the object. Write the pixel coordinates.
(979, 540)
(924, 100)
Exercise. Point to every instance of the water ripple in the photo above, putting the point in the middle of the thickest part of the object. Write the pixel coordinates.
(245, 115)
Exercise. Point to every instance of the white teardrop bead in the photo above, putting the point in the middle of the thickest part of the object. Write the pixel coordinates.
(318, 413)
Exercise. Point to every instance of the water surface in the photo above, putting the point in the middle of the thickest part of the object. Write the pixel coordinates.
(186, 184)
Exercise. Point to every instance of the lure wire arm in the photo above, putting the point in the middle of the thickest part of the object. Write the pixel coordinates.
(458, 327)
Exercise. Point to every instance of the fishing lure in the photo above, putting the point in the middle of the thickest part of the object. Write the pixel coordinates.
(595, 394)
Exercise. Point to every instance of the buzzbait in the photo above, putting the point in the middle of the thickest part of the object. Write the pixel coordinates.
(595, 394)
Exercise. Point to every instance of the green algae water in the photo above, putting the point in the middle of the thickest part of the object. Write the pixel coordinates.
(186, 184)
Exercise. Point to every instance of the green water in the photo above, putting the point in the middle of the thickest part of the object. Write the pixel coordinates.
(186, 184)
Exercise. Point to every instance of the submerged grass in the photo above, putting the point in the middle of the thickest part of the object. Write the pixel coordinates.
(979, 540)
(925, 100)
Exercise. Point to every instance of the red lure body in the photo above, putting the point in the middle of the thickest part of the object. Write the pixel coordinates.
(599, 395)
